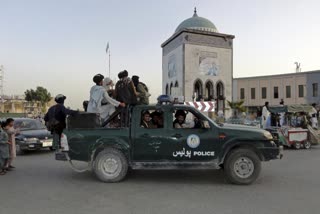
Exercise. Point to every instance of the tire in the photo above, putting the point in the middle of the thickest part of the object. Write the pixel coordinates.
(297, 145)
(51, 148)
(110, 165)
(19, 151)
(237, 159)
(307, 145)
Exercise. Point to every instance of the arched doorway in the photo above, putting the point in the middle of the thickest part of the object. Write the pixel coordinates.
(171, 85)
(220, 96)
(167, 89)
(197, 89)
(209, 90)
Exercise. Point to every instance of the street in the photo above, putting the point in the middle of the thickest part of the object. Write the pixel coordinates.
(42, 185)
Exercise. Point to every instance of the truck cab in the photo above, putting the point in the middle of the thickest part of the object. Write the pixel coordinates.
(150, 138)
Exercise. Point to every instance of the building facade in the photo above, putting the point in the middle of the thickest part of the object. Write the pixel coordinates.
(18, 104)
(197, 62)
(292, 88)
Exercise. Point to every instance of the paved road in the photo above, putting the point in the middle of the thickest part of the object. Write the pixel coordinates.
(41, 185)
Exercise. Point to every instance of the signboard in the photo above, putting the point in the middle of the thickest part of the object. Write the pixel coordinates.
(207, 106)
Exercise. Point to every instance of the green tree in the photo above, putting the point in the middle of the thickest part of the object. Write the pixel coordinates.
(236, 107)
(40, 94)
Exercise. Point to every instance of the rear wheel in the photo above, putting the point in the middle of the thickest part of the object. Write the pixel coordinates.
(110, 165)
(307, 145)
(242, 166)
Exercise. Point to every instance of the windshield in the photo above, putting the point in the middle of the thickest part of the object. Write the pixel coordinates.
(28, 125)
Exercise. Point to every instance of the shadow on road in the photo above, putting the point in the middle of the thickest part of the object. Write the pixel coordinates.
(162, 176)
(37, 152)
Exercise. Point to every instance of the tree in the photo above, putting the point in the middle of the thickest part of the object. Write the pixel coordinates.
(40, 94)
(236, 107)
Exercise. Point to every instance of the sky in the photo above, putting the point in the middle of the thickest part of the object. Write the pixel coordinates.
(60, 44)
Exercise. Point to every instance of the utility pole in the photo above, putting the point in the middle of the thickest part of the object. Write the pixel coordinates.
(1, 88)
(1, 82)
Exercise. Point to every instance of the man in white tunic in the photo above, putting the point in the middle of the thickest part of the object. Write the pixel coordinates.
(314, 118)
(100, 102)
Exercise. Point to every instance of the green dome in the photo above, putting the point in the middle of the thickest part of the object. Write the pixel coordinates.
(197, 23)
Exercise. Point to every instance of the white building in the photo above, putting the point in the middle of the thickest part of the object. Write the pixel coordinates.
(197, 62)
(293, 88)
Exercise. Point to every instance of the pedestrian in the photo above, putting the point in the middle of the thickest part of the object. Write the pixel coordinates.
(313, 116)
(55, 119)
(4, 149)
(125, 90)
(11, 132)
(100, 102)
(265, 115)
(220, 118)
(282, 114)
(142, 90)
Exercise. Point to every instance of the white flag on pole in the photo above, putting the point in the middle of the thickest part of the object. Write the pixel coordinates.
(107, 49)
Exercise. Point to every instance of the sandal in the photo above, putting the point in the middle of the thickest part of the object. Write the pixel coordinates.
(3, 172)
(11, 167)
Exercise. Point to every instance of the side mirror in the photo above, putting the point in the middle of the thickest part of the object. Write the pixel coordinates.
(205, 124)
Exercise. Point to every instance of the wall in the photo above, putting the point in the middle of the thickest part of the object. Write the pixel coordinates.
(313, 78)
(223, 58)
(172, 68)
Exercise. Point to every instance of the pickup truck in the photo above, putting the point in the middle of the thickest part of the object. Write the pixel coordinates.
(122, 145)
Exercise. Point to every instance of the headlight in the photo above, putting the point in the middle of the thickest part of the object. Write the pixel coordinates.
(268, 135)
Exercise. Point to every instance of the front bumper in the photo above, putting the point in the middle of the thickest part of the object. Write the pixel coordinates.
(271, 153)
(36, 145)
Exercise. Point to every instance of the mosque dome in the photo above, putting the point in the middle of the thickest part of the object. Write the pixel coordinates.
(197, 23)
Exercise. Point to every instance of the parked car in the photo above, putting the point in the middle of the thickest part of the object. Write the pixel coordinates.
(32, 135)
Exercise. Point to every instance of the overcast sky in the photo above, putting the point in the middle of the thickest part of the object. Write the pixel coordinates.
(60, 44)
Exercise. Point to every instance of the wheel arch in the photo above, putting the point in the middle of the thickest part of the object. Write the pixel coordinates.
(118, 144)
(240, 145)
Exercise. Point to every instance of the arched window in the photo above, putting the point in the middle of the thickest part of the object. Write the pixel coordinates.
(209, 90)
(167, 89)
(171, 85)
(176, 84)
(220, 97)
(198, 89)
(220, 90)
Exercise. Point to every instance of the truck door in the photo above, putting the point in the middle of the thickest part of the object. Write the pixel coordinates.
(193, 138)
(149, 134)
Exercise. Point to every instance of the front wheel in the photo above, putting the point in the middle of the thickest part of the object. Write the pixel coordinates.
(297, 145)
(242, 166)
(110, 165)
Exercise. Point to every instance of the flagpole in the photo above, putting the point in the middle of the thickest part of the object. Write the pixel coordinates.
(109, 65)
